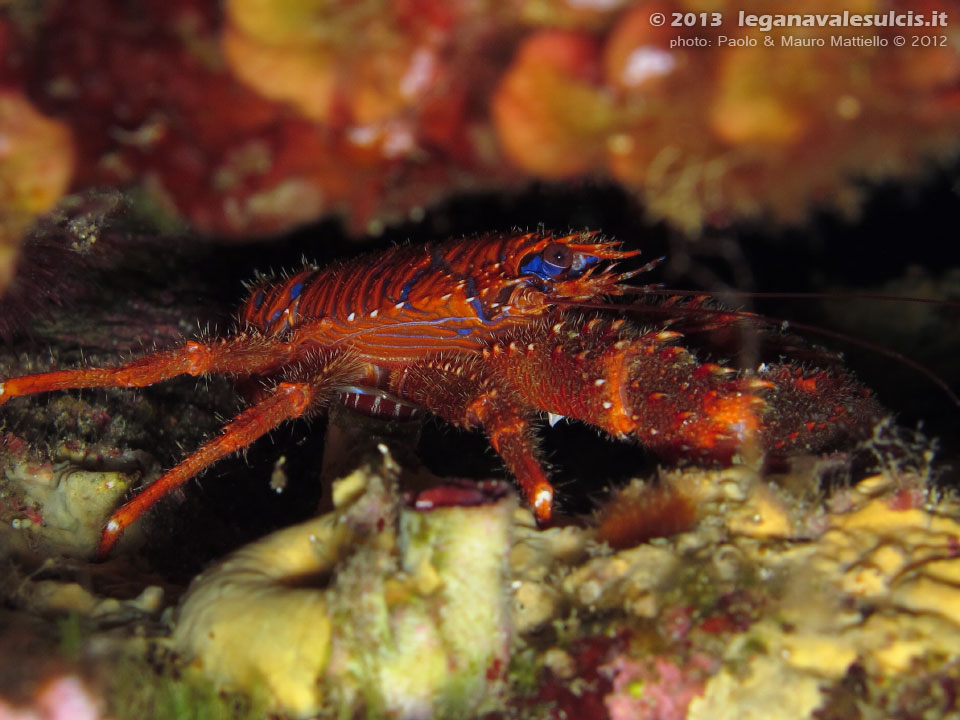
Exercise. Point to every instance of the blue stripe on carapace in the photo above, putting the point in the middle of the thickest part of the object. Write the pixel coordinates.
(438, 261)
(411, 283)
(295, 291)
(258, 299)
(477, 305)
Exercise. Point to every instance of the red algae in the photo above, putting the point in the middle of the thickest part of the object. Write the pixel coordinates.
(251, 118)
(62, 698)
(588, 656)
(36, 163)
(711, 122)
(257, 122)
(550, 117)
(657, 688)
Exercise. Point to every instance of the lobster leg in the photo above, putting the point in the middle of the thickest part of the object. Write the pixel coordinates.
(286, 401)
(464, 393)
(242, 355)
(289, 400)
(512, 435)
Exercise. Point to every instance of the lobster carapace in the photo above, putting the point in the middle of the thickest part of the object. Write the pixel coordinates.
(483, 332)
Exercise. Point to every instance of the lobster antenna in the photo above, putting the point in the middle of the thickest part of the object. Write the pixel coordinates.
(873, 347)
(784, 324)
(660, 290)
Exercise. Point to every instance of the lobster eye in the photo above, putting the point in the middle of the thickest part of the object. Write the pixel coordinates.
(556, 259)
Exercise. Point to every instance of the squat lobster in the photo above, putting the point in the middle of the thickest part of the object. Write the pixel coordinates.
(480, 331)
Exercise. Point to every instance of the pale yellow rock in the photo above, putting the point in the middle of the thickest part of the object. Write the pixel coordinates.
(873, 485)
(255, 624)
(374, 605)
(865, 581)
(878, 517)
(348, 489)
(247, 631)
(534, 604)
(609, 582)
(560, 662)
(536, 553)
(767, 686)
(872, 586)
(427, 578)
(55, 596)
(945, 571)
(871, 575)
(468, 546)
(892, 640)
(887, 559)
(924, 594)
(416, 643)
(763, 514)
(899, 563)
(50, 595)
(837, 547)
(899, 655)
(712, 487)
(823, 654)
(73, 502)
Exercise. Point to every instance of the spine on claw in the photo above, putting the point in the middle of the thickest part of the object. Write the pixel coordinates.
(631, 383)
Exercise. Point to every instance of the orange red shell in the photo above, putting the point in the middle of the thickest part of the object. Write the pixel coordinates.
(412, 301)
